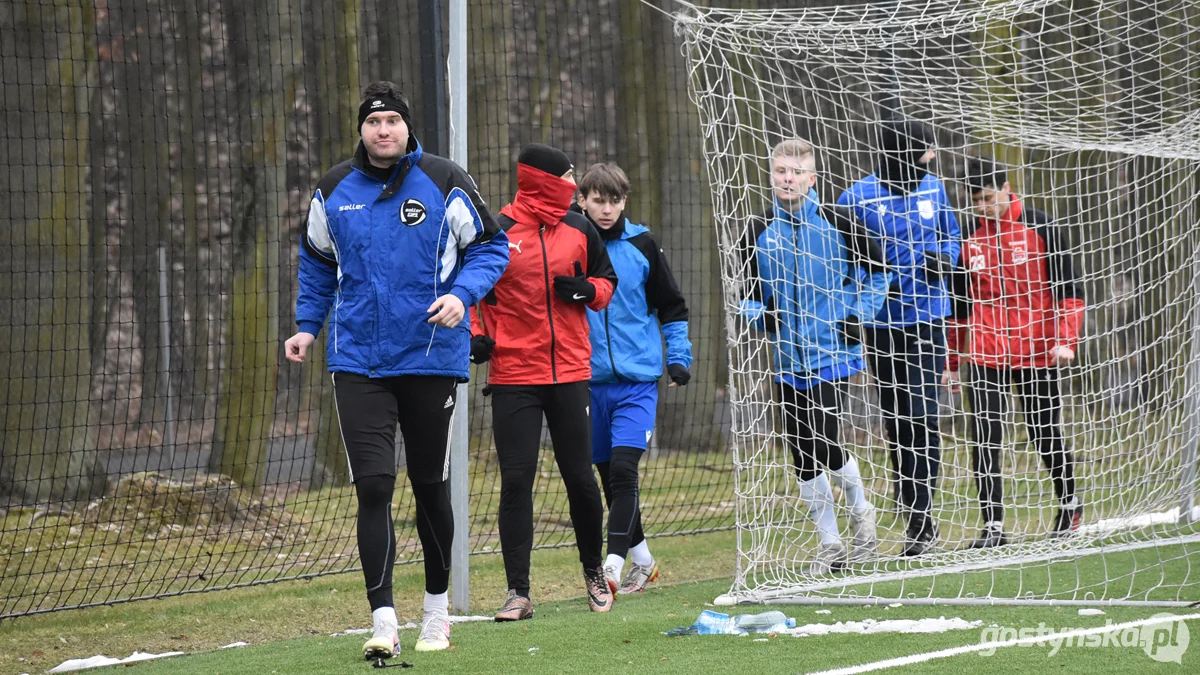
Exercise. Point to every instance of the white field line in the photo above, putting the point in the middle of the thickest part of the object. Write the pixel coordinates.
(984, 646)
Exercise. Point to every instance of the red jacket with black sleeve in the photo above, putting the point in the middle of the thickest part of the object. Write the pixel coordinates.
(540, 338)
(1016, 294)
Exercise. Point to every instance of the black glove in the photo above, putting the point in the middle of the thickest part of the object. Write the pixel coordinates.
(936, 267)
(481, 348)
(576, 288)
(852, 331)
(771, 317)
(679, 374)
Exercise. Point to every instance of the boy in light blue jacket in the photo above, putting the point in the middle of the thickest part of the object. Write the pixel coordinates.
(628, 359)
(815, 277)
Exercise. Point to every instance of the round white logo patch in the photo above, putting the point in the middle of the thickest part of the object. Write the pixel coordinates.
(412, 212)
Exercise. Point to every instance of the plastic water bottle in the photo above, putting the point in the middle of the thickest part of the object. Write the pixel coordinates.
(767, 622)
(714, 623)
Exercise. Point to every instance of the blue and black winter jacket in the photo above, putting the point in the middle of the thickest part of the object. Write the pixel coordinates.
(380, 252)
(627, 336)
(910, 227)
(806, 276)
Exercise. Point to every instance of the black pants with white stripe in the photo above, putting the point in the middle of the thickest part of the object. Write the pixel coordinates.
(369, 410)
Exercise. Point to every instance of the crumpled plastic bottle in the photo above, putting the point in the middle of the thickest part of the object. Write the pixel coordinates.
(716, 623)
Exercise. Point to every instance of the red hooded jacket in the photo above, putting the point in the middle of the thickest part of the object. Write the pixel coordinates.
(540, 338)
(1015, 293)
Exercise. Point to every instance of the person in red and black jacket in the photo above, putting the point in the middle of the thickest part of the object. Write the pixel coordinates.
(533, 327)
(1018, 308)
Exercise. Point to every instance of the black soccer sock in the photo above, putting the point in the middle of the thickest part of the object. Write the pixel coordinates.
(376, 537)
(435, 527)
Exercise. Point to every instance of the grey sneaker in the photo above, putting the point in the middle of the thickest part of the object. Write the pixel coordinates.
(864, 544)
(829, 558)
(435, 632)
(638, 577)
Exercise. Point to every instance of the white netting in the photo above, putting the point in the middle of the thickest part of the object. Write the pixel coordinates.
(1094, 108)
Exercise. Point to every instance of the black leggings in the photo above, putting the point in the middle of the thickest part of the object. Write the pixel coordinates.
(813, 428)
(368, 411)
(908, 364)
(619, 478)
(989, 389)
(517, 412)
(377, 535)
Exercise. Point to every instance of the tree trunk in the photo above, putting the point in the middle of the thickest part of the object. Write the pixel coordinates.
(47, 452)
(262, 36)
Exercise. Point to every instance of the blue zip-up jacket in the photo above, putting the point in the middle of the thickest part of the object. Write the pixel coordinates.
(910, 226)
(627, 336)
(806, 277)
(379, 254)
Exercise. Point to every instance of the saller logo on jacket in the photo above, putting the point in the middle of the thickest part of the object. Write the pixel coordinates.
(412, 212)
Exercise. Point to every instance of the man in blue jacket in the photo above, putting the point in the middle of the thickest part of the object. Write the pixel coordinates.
(905, 205)
(812, 285)
(627, 360)
(399, 243)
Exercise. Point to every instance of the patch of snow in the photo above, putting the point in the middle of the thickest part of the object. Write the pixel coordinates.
(938, 625)
(101, 660)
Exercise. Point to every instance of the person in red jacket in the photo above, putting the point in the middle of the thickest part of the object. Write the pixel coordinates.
(1018, 309)
(533, 327)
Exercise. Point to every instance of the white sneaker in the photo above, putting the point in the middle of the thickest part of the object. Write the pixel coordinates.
(612, 577)
(864, 544)
(384, 643)
(829, 558)
(435, 632)
(638, 577)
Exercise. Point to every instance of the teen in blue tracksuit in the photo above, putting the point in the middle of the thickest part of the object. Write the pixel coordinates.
(905, 205)
(398, 245)
(812, 284)
(627, 361)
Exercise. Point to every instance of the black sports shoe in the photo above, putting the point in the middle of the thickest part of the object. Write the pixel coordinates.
(1068, 522)
(991, 537)
(921, 538)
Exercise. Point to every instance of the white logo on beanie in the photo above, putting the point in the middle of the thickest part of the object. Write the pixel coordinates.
(377, 104)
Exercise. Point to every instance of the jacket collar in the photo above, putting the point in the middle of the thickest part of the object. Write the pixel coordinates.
(803, 214)
(1014, 214)
(542, 199)
(415, 152)
(617, 231)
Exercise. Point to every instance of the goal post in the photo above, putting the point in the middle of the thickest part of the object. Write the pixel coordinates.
(1094, 111)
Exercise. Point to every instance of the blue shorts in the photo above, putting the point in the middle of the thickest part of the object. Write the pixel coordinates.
(622, 416)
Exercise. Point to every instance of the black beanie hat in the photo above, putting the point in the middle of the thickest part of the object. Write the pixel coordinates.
(545, 158)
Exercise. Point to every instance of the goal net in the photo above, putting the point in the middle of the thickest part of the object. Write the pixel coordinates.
(1093, 108)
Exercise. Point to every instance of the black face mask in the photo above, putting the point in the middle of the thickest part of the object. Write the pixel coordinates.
(903, 143)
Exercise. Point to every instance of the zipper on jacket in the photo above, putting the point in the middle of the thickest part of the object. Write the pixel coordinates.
(549, 310)
(608, 339)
